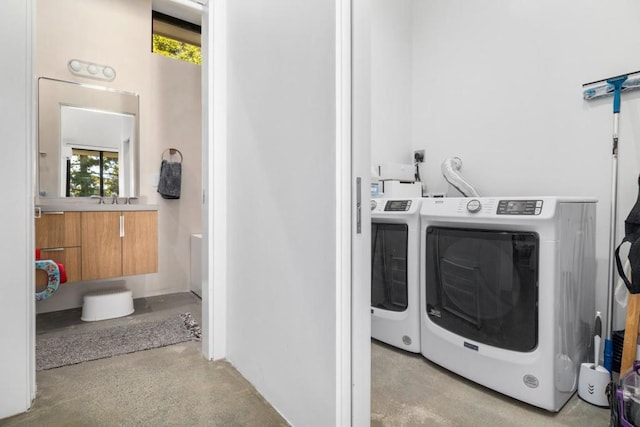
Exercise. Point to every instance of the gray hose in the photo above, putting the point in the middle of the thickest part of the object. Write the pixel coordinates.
(450, 169)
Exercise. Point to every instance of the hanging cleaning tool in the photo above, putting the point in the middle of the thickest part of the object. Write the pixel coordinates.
(617, 83)
(594, 378)
(615, 86)
(602, 88)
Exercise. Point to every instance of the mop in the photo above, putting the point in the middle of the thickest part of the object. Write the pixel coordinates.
(614, 85)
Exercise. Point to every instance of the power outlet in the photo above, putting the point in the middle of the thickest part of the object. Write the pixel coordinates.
(418, 156)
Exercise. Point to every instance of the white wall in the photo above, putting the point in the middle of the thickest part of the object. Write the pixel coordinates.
(17, 383)
(281, 204)
(118, 33)
(499, 85)
(176, 115)
(391, 81)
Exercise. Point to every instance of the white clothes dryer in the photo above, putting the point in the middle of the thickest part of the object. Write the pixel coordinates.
(508, 292)
(395, 271)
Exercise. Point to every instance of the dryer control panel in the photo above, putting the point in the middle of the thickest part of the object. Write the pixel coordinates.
(397, 205)
(395, 208)
(519, 207)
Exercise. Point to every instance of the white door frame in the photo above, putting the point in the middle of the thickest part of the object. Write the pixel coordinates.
(353, 231)
(214, 185)
(343, 291)
(17, 372)
(361, 242)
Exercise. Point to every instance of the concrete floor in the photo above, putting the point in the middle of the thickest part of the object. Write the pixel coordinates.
(408, 390)
(174, 385)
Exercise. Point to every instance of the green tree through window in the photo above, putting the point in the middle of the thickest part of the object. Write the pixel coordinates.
(92, 173)
(176, 49)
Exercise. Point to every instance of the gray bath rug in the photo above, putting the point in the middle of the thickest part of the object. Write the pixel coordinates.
(57, 351)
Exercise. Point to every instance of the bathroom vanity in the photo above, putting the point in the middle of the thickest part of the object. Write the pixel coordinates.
(88, 148)
(99, 241)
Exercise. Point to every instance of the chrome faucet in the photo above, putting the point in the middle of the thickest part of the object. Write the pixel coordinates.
(114, 198)
(100, 199)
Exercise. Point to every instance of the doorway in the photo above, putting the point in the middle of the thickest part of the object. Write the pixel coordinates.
(166, 127)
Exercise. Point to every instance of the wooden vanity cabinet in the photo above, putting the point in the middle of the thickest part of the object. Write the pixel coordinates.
(58, 238)
(140, 243)
(99, 244)
(119, 244)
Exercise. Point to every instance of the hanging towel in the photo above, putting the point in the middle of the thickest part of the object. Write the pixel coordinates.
(170, 179)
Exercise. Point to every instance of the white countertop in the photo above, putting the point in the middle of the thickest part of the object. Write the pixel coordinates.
(93, 206)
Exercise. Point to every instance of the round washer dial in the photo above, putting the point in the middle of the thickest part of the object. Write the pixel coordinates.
(474, 206)
(373, 204)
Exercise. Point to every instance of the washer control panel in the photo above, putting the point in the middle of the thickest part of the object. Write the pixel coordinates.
(519, 207)
(397, 205)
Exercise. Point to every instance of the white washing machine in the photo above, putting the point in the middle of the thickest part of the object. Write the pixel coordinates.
(395, 271)
(508, 292)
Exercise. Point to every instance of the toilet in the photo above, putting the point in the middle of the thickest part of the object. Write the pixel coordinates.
(107, 304)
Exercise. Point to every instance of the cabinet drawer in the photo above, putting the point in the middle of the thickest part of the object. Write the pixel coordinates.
(58, 230)
(70, 257)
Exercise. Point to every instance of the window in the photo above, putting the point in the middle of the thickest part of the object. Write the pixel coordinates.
(176, 38)
(92, 173)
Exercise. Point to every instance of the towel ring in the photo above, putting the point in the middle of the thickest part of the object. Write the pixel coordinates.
(172, 151)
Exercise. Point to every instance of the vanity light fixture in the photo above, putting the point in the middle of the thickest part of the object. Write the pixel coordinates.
(91, 70)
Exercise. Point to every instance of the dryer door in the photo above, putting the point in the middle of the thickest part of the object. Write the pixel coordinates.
(389, 266)
(482, 285)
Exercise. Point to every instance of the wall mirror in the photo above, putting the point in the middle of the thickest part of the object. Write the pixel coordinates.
(87, 141)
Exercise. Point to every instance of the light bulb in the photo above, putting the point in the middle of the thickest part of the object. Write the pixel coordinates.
(75, 65)
(108, 72)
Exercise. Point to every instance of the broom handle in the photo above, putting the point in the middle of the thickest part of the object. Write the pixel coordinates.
(612, 239)
(608, 344)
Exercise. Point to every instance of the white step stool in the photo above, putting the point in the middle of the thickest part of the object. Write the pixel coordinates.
(107, 304)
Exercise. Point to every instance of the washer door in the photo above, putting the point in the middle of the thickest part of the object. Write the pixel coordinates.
(482, 285)
(389, 266)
